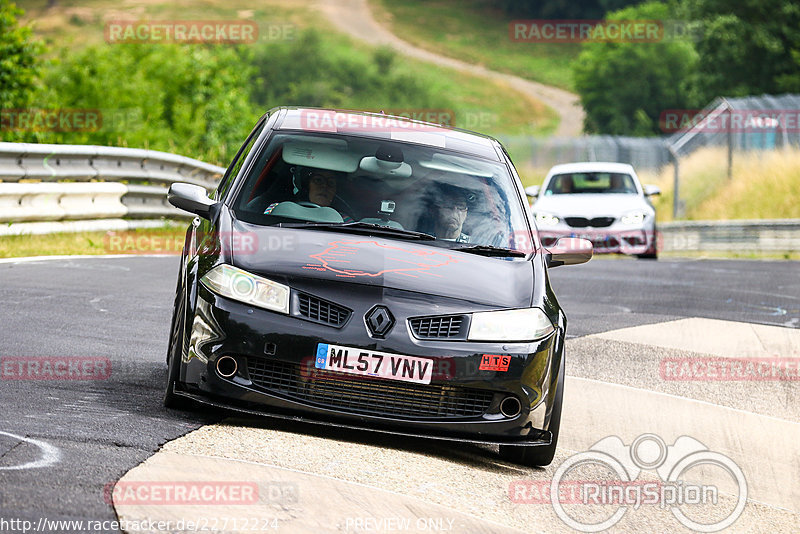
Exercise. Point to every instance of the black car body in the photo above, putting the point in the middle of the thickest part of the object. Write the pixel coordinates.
(355, 313)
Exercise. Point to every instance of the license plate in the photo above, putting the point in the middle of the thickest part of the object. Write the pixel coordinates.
(371, 363)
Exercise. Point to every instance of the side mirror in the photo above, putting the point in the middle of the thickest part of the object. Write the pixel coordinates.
(532, 191)
(191, 198)
(651, 190)
(569, 251)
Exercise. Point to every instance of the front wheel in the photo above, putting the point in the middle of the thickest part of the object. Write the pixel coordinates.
(540, 456)
(652, 252)
(174, 354)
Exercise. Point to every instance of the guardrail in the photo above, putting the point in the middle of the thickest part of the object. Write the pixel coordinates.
(767, 235)
(51, 188)
(112, 188)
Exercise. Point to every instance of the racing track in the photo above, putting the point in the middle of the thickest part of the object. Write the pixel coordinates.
(62, 442)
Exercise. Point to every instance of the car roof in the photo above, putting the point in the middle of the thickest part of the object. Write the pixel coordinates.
(383, 126)
(591, 166)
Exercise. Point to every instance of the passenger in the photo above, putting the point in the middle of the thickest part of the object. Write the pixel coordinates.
(450, 212)
(567, 185)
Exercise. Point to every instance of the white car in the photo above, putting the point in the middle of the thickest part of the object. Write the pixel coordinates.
(602, 202)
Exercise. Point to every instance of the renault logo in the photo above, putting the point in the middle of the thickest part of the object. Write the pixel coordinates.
(379, 321)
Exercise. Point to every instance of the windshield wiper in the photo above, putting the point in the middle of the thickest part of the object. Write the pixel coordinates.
(488, 250)
(361, 227)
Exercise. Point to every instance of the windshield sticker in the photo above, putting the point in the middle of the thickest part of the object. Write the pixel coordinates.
(340, 258)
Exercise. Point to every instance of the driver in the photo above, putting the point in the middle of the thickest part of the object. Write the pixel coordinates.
(322, 186)
(316, 187)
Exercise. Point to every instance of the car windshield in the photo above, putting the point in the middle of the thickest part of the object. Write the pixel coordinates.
(591, 182)
(353, 183)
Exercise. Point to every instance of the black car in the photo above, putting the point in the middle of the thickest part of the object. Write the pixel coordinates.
(372, 272)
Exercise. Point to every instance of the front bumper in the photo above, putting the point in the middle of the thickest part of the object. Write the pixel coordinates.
(276, 375)
(611, 240)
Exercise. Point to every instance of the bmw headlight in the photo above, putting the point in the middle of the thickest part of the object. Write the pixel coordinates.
(526, 324)
(240, 285)
(634, 217)
(546, 219)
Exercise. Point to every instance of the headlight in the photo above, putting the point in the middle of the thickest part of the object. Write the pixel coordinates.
(240, 285)
(635, 217)
(526, 324)
(545, 219)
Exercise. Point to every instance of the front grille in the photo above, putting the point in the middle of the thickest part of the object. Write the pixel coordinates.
(366, 395)
(321, 311)
(441, 327)
(583, 222)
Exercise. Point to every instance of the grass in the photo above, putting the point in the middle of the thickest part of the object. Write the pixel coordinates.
(167, 240)
(79, 23)
(475, 32)
(764, 185)
(474, 100)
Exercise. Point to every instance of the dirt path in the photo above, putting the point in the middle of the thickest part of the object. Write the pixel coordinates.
(354, 17)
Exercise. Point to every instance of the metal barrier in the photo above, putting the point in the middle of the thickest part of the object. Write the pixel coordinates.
(47, 188)
(107, 184)
(778, 235)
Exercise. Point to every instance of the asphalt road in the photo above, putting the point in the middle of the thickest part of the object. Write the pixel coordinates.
(119, 309)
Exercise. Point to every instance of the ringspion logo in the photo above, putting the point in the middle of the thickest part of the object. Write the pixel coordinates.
(615, 487)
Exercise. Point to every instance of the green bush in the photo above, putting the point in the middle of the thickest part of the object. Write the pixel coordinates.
(202, 100)
(625, 86)
(18, 58)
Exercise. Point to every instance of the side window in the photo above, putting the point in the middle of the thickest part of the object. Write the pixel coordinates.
(238, 161)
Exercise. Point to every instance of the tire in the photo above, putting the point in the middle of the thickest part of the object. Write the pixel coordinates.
(176, 346)
(540, 456)
(652, 252)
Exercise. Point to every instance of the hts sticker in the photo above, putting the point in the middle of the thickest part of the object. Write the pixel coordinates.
(494, 362)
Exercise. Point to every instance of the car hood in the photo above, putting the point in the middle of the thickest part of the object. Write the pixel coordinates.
(590, 205)
(349, 258)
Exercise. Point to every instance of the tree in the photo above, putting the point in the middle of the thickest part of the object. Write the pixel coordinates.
(625, 86)
(747, 47)
(18, 59)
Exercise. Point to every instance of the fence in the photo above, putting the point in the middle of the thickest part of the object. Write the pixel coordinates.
(49, 188)
(755, 123)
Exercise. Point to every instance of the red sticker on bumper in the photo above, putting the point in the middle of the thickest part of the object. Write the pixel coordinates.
(494, 362)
